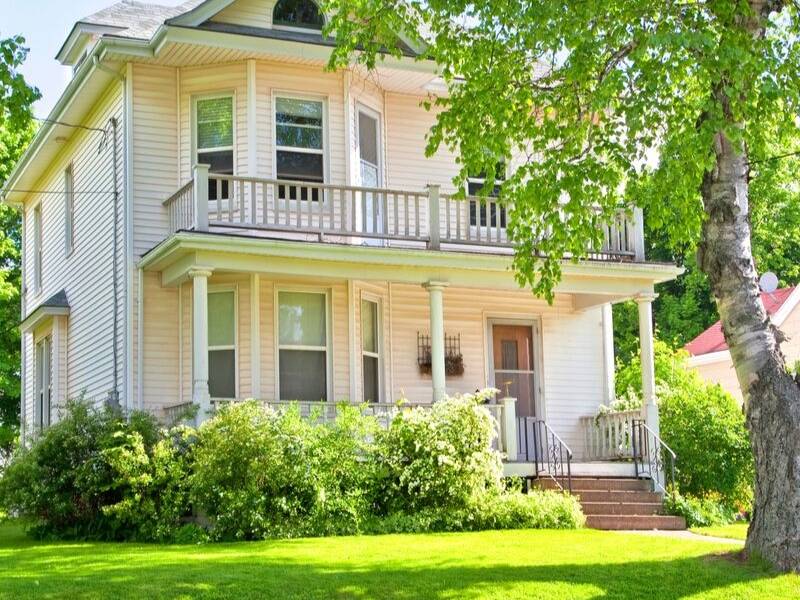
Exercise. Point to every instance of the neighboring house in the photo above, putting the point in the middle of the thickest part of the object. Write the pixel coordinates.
(232, 221)
(709, 354)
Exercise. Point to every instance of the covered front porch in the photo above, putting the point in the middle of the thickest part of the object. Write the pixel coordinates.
(225, 318)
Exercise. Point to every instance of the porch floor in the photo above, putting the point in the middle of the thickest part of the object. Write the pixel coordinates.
(578, 469)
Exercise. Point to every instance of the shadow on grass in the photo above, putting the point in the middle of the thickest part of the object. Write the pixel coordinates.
(286, 570)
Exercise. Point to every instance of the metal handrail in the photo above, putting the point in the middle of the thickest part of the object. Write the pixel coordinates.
(648, 456)
(550, 454)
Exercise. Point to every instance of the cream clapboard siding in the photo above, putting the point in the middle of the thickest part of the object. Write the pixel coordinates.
(407, 124)
(571, 355)
(249, 13)
(155, 152)
(86, 274)
(161, 335)
(168, 349)
(211, 80)
(275, 79)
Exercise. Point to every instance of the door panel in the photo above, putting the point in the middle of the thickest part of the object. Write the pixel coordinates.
(513, 365)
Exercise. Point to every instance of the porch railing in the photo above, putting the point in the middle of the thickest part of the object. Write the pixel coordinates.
(609, 436)
(540, 445)
(384, 412)
(652, 457)
(362, 213)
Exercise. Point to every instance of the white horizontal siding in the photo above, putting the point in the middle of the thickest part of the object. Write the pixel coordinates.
(85, 274)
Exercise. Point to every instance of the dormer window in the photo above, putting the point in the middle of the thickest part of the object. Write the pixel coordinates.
(297, 13)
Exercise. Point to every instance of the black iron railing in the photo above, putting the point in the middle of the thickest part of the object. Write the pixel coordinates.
(540, 445)
(652, 457)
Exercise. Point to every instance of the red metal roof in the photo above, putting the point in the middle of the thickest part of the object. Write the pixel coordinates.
(712, 340)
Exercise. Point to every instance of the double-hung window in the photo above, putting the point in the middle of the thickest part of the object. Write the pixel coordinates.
(478, 214)
(222, 343)
(43, 364)
(37, 249)
(299, 145)
(214, 140)
(303, 342)
(370, 350)
(69, 210)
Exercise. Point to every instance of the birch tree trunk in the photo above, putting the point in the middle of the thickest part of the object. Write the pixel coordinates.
(772, 398)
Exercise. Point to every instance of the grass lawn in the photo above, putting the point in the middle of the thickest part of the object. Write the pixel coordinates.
(735, 531)
(509, 564)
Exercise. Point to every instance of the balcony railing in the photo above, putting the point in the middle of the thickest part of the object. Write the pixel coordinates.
(212, 202)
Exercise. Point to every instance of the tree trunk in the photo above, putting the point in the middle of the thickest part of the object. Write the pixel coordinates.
(772, 398)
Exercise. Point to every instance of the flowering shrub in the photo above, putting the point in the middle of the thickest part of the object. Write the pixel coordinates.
(253, 473)
(439, 457)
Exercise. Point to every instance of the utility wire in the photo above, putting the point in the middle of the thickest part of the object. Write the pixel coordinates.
(54, 122)
(17, 191)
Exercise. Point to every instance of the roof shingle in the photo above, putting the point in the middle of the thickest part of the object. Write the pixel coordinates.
(713, 340)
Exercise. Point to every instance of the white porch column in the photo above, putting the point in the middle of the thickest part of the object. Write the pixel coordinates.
(200, 197)
(509, 428)
(435, 293)
(200, 393)
(650, 408)
(255, 335)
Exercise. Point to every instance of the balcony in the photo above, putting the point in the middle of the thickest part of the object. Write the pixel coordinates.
(342, 214)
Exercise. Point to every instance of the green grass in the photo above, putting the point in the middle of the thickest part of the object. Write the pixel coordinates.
(734, 531)
(502, 565)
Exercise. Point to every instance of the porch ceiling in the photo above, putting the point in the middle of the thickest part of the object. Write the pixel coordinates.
(596, 282)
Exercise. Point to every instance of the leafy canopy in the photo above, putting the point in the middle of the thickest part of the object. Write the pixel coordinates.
(16, 130)
(596, 101)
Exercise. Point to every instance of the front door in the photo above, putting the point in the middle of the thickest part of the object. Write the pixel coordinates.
(513, 365)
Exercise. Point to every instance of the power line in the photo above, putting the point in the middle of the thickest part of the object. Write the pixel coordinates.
(18, 191)
(55, 122)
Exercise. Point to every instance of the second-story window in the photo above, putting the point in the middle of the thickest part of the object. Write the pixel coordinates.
(37, 249)
(69, 211)
(297, 13)
(299, 143)
(475, 185)
(214, 139)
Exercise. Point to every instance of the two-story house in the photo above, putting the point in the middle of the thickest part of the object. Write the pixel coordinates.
(209, 216)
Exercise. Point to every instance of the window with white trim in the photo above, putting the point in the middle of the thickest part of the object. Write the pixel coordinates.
(222, 343)
(297, 13)
(69, 210)
(37, 248)
(43, 359)
(299, 144)
(214, 139)
(475, 185)
(303, 345)
(370, 350)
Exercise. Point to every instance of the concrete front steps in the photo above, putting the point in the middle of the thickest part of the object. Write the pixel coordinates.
(619, 503)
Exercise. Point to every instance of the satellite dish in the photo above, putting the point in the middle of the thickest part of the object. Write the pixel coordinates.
(768, 282)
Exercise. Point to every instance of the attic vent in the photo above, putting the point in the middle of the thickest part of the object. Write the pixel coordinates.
(297, 13)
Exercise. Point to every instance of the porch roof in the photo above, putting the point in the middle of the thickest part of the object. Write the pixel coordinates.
(597, 282)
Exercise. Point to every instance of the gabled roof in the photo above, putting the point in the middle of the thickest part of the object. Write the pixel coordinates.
(126, 19)
(55, 305)
(778, 305)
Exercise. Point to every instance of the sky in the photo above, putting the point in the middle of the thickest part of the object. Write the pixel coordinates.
(45, 25)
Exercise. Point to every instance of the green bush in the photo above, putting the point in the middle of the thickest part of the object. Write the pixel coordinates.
(439, 457)
(699, 512)
(154, 485)
(702, 423)
(64, 481)
(260, 473)
(252, 473)
(506, 510)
